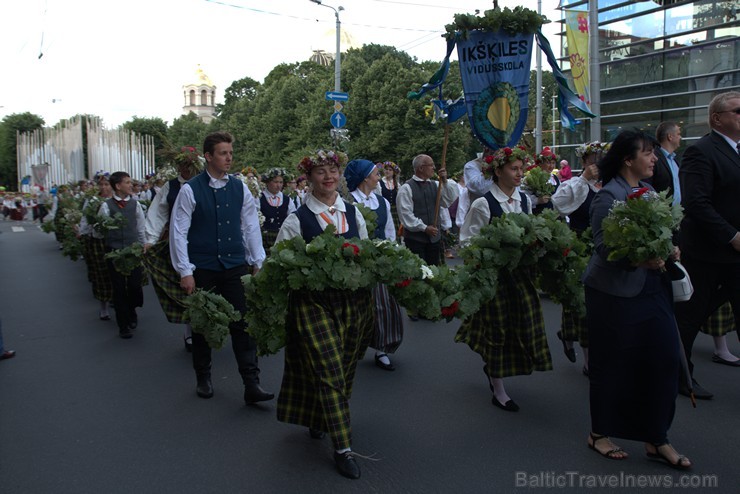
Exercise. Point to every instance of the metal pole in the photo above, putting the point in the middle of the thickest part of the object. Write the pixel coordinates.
(593, 68)
(538, 114)
(554, 107)
(338, 60)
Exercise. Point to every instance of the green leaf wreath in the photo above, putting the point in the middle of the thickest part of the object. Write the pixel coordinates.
(519, 20)
(210, 315)
(127, 259)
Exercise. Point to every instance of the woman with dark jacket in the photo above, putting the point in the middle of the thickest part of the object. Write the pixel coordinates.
(634, 346)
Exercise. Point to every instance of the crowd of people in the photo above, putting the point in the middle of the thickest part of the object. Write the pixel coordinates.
(205, 228)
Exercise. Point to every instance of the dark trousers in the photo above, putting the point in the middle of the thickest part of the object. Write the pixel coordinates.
(228, 284)
(127, 294)
(714, 284)
(430, 252)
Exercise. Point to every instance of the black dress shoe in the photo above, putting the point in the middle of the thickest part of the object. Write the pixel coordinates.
(389, 366)
(719, 360)
(125, 334)
(189, 344)
(570, 353)
(254, 393)
(134, 321)
(316, 434)
(509, 406)
(699, 392)
(204, 389)
(347, 465)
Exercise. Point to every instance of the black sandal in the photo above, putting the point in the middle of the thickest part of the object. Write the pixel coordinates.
(570, 353)
(679, 465)
(606, 454)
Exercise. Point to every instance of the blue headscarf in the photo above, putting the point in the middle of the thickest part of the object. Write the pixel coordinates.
(356, 171)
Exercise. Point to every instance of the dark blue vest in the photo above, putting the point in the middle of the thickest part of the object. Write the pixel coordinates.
(274, 216)
(127, 234)
(172, 194)
(382, 213)
(580, 219)
(495, 207)
(310, 227)
(215, 237)
(424, 198)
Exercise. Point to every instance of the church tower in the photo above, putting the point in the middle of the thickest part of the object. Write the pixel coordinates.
(200, 97)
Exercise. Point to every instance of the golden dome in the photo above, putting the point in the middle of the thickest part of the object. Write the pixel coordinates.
(201, 79)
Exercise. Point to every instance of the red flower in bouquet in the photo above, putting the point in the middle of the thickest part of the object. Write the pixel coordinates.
(508, 151)
(355, 249)
(566, 251)
(638, 193)
(488, 159)
(404, 283)
(451, 309)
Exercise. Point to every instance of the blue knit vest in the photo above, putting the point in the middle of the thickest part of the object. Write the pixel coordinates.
(127, 234)
(274, 216)
(215, 237)
(495, 207)
(172, 194)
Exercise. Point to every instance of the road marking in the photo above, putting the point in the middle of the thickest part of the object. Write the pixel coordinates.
(18, 229)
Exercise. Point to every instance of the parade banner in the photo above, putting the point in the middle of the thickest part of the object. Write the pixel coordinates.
(495, 68)
(576, 31)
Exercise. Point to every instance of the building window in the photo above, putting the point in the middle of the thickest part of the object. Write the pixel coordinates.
(204, 98)
(192, 98)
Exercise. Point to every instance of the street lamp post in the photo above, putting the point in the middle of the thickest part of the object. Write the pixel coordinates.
(337, 59)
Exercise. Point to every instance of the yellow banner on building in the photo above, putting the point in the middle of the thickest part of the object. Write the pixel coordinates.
(576, 31)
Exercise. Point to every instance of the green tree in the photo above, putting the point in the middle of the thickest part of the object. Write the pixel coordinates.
(188, 130)
(10, 125)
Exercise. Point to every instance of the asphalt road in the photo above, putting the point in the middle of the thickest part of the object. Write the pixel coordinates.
(82, 411)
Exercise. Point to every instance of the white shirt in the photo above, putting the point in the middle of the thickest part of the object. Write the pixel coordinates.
(276, 200)
(182, 217)
(463, 204)
(475, 182)
(405, 203)
(480, 214)
(292, 226)
(158, 214)
(571, 194)
(140, 219)
(372, 202)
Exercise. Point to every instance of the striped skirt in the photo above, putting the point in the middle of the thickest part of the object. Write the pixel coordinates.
(328, 332)
(509, 331)
(166, 281)
(388, 333)
(721, 322)
(573, 327)
(97, 269)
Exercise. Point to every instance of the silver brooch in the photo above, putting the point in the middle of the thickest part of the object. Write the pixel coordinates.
(332, 210)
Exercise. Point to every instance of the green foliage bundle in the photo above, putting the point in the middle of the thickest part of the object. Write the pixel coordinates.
(537, 181)
(210, 315)
(519, 20)
(641, 228)
(127, 259)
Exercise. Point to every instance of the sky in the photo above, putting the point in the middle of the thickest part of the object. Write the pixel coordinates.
(119, 59)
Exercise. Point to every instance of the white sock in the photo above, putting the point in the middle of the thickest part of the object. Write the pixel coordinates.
(342, 451)
(383, 358)
(103, 308)
(498, 390)
(188, 331)
(721, 350)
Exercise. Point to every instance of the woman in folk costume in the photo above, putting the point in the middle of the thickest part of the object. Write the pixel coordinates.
(389, 185)
(157, 245)
(329, 330)
(291, 190)
(127, 292)
(362, 177)
(573, 199)
(721, 322)
(509, 331)
(93, 246)
(634, 346)
(275, 205)
(545, 160)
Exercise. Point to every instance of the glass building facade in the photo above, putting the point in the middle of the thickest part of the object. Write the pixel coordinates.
(659, 61)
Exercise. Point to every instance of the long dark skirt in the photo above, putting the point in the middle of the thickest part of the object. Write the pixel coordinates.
(97, 268)
(388, 333)
(166, 282)
(509, 331)
(634, 362)
(328, 332)
(573, 327)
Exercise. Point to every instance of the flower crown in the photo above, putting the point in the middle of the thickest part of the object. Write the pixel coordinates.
(321, 158)
(272, 173)
(249, 169)
(389, 165)
(101, 174)
(545, 155)
(592, 147)
(188, 156)
(502, 156)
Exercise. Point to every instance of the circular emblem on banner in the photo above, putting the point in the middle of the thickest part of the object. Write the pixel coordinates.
(496, 112)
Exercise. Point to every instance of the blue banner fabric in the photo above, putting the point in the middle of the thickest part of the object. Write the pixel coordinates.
(495, 74)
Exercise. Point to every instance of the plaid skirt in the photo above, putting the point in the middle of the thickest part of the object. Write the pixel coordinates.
(574, 327)
(268, 239)
(388, 333)
(721, 322)
(509, 331)
(97, 269)
(166, 281)
(328, 332)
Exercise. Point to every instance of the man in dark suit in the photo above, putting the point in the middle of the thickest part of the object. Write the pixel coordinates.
(665, 174)
(710, 231)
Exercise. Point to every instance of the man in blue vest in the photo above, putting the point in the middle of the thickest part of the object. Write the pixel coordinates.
(214, 239)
